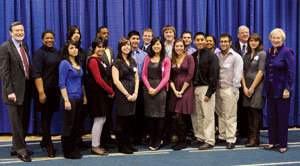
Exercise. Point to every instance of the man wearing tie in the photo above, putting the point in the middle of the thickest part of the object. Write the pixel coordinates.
(15, 75)
(241, 48)
(147, 37)
(243, 35)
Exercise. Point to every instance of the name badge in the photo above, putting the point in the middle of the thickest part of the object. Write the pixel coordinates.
(227, 65)
(134, 69)
(173, 66)
(104, 65)
(163, 69)
(256, 58)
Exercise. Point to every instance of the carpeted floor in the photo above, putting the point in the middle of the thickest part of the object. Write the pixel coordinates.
(165, 156)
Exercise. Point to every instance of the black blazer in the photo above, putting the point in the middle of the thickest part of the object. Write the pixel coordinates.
(12, 72)
(148, 50)
(237, 48)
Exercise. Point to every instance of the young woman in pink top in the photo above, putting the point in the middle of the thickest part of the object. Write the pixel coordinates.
(156, 74)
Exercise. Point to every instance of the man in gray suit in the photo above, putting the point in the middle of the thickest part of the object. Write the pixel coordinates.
(16, 92)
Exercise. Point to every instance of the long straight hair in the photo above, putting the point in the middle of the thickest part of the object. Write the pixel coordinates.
(162, 52)
(122, 42)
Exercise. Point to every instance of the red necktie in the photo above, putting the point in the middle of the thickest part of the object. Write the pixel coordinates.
(24, 60)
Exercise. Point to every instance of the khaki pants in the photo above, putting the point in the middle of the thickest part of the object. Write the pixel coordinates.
(203, 119)
(226, 108)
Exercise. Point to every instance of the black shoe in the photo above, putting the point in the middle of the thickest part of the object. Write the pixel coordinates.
(230, 145)
(73, 155)
(24, 157)
(205, 146)
(14, 153)
(125, 150)
(220, 141)
(196, 142)
(132, 148)
(166, 142)
(180, 145)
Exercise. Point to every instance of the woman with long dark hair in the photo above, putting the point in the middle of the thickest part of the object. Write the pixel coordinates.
(253, 83)
(45, 73)
(156, 74)
(126, 80)
(73, 95)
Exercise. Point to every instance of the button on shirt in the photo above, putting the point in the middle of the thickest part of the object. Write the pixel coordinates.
(17, 45)
(139, 56)
(231, 70)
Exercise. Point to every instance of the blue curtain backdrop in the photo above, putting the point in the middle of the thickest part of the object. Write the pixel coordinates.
(121, 16)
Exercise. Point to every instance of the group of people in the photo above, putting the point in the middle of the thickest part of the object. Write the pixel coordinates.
(157, 89)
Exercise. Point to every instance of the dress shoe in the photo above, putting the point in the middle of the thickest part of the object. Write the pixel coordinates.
(73, 155)
(156, 147)
(125, 150)
(14, 153)
(205, 146)
(230, 145)
(196, 142)
(105, 150)
(220, 141)
(282, 150)
(24, 157)
(270, 146)
(98, 151)
(132, 148)
(180, 145)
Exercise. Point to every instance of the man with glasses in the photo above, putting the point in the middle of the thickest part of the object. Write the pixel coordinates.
(227, 94)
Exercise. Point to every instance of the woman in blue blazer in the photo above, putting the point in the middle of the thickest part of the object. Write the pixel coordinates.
(280, 76)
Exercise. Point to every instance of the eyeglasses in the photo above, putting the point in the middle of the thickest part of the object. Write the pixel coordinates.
(226, 41)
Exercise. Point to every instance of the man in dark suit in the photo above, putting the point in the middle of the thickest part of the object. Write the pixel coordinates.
(241, 48)
(16, 93)
(147, 37)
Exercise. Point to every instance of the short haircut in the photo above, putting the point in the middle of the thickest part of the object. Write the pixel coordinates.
(47, 31)
(226, 35)
(278, 30)
(255, 37)
(148, 30)
(131, 33)
(199, 33)
(169, 27)
(97, 41)
(100, 28)
(14, 24)
(242, 26)
(186, 32)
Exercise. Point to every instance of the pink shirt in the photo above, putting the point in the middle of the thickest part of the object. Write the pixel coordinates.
(165, 74)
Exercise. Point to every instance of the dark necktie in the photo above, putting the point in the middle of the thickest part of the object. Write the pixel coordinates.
(24, 60)
(244, 48)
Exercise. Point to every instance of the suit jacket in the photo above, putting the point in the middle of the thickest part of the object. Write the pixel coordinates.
(237, 48)
(280, 71)
(146, 50)
(12, 72)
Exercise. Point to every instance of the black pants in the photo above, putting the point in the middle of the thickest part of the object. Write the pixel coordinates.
(70, 125)
(139, 121)
(123, 129)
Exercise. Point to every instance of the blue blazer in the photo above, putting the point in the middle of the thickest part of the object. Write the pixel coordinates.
(280, 71)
